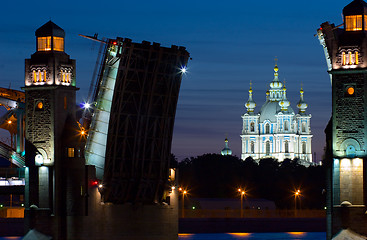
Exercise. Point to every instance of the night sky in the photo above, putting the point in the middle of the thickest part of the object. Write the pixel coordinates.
(231, 43)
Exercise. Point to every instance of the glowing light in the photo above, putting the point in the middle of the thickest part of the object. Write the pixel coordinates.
(9, 122)
(180, 189)
(39, 105)
(240, 234)
(184, 192)
(183, 70)
(173, 187)
(22, 204)
(86, 105)
(193, 208)
(297, 233)
(100, 185)
(243, 193)
(114, 43)
(82, 132)
(350, 90)
(345, 163)
(39, 159)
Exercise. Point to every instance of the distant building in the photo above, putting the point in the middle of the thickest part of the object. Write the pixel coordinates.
(226, 150)
(276, 131)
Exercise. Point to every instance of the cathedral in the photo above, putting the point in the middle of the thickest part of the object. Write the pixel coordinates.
(276, 131)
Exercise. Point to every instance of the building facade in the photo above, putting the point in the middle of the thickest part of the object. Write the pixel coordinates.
(345, 48)
(276, 131)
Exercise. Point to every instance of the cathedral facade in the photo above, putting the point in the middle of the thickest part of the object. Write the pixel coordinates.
(276, 131)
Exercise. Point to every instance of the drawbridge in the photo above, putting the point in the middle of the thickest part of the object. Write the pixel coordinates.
(13, 122)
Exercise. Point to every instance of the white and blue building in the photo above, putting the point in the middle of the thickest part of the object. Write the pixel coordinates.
(276, 131)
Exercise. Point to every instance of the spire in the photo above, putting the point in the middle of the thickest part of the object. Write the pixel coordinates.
(226, 150)
(250, 104)
(302, 105)
(275, 85)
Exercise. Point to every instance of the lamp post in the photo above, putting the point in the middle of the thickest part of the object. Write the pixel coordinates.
(296, 194)
(242, 193)
(183, 203)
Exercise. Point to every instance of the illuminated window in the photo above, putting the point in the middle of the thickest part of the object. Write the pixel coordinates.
(267, 128)
(356, 57)
(34, 76)
(267, 145)
(58, 44)
(252, 147)
(40, 105)
(252, 127)
(350, 58)
(303, 148)
(344, 58)
(353, 23)
(44, 75)
(44, 44)
(70, 152)
(286, 147)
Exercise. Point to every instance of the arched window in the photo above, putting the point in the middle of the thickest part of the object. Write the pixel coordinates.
(286, 147)
(267, 148)
(303, 147)
(286, 126)
(267, 128)
(252, 127)
(252, 147)
(303, 127)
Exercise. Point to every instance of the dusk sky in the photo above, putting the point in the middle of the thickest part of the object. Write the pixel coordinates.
(231, 43)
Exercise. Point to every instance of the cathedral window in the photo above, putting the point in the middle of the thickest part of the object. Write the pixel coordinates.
(303, 147)
(286, 147)
(252, 147)
(252, 127)
(303, 127)
(267, 128)
(353, 23)
(286, 127)
(267, 146)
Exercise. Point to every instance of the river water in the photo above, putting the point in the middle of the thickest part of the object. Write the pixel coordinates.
(255, 236)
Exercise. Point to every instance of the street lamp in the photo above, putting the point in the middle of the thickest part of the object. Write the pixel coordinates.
(184, 192)
(242, 193)
(297, 193)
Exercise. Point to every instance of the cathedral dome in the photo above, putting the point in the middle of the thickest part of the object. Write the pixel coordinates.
(226, 150)
(250, 104)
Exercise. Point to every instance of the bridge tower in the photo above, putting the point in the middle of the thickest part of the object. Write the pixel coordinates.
(54, 158)
(345, 48)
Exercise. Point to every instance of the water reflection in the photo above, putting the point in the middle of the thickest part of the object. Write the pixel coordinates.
(255, 236)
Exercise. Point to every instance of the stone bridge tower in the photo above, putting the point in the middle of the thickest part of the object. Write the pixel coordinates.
(54, 154)
(345, 48)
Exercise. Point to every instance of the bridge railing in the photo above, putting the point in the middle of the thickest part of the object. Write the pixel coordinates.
(251, 213)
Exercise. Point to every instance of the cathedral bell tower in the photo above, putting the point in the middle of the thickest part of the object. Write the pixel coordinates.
(345, 48)
(50, 126)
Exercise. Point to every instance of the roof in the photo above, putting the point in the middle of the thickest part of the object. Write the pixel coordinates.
(357, 7)
(270, 109)
(50, 29)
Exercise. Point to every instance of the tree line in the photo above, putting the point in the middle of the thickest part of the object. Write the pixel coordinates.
(217, 176)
